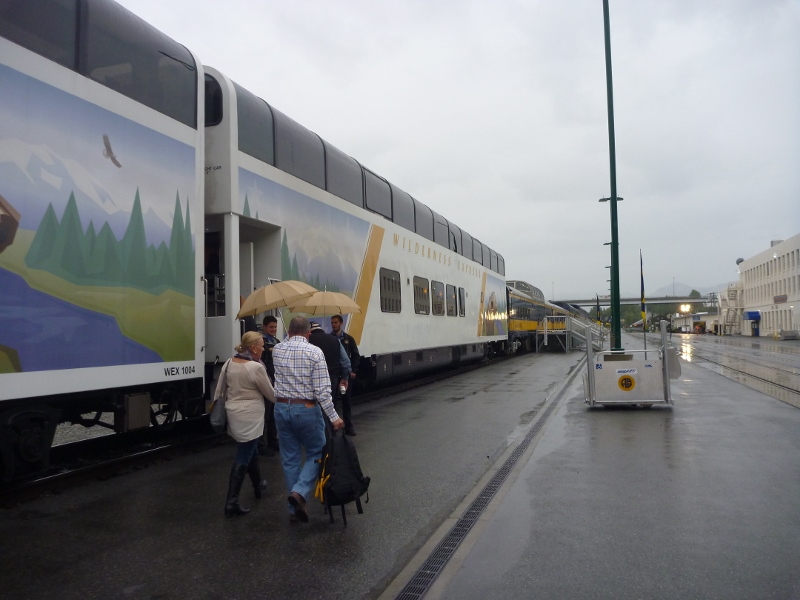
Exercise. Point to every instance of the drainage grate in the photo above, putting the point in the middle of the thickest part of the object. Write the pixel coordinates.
(431, 568)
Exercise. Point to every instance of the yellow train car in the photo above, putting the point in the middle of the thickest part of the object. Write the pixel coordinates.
(532, 319)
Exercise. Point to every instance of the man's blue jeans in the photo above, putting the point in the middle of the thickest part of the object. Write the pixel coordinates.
(300, 427)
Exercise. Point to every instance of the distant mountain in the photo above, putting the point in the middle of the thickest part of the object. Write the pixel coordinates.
(43, 178)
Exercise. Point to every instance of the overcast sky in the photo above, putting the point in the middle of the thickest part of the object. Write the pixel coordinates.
(494, 114)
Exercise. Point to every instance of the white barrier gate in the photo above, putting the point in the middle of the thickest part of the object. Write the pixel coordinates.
(633, 376)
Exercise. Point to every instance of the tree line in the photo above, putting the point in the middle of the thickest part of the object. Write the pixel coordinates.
(89, 257)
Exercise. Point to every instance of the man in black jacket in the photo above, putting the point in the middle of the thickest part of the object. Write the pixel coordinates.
(335, 356)
(268, 443)
(351, 349)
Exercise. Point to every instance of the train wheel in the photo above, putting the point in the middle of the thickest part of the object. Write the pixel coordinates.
(164, 411)
(26, 439)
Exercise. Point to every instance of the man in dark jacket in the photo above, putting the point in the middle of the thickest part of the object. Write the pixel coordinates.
(269, 441)
(351, 349)
(335, 356)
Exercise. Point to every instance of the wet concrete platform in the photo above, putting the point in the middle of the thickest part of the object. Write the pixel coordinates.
(160, 532)
(701, 500)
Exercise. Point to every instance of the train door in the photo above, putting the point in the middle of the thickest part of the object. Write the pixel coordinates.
(242, 255)
(260, 261)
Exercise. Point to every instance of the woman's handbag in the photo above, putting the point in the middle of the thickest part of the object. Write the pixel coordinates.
(219, 418)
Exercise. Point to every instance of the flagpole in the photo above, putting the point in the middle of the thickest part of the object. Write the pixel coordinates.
(644, 309)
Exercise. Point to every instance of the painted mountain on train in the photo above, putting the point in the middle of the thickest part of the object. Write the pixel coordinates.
(43, 178)
(321, 244)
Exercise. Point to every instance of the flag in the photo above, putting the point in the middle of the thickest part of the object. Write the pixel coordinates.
(597, 296)
(644, 310)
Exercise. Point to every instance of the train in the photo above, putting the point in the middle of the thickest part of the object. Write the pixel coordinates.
(143, 194)
(537, 325)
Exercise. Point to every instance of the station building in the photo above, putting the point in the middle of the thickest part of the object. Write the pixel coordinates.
(763, 301)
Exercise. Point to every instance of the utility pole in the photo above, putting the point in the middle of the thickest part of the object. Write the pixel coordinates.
(616, 327)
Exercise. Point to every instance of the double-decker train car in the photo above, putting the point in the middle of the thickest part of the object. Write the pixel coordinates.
(101, 172)
(282, 203)
(143, 194)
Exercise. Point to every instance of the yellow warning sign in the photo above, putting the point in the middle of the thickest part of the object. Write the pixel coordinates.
(626, 383)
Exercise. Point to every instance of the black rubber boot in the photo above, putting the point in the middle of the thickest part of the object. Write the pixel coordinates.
(232, 506)
(254, 471)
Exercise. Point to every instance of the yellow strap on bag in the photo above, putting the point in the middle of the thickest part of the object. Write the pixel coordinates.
(319, 489)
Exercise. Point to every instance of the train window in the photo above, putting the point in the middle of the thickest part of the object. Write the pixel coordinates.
(422, 299)
(402, 208)
(493, 258)
(126, 54)
(437, 292)
(461, 302)
(501, 265)
(390, 291)
(46, 27)
(487, 257)
(477, 251)
(378, 195)
(455, 239)
(213, 102)
(256, 130)
(298, 151)
(423, 220)
(452, 304)
(441, 233)
(343, 176)
(466, 244)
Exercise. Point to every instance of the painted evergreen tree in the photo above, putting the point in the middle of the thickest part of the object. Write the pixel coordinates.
(67, 253)
(134, 245)
(41, 249)
(286, 265)
(176, 236)
(89, 240)
(185, 273)
(105, 263)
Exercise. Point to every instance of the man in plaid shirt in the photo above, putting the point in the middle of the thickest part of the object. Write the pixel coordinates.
(302, 387)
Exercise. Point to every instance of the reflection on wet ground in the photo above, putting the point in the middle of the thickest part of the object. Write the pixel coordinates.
(774, 369)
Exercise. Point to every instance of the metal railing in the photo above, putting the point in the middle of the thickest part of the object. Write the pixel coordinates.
(573, 330)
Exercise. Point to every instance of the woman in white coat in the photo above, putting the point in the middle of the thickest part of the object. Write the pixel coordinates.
(245, 384)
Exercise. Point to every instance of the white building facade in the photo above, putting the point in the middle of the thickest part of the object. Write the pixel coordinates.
(763, 302)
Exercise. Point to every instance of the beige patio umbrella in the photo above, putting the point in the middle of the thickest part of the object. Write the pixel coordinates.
(275, 295)
(325, 303)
